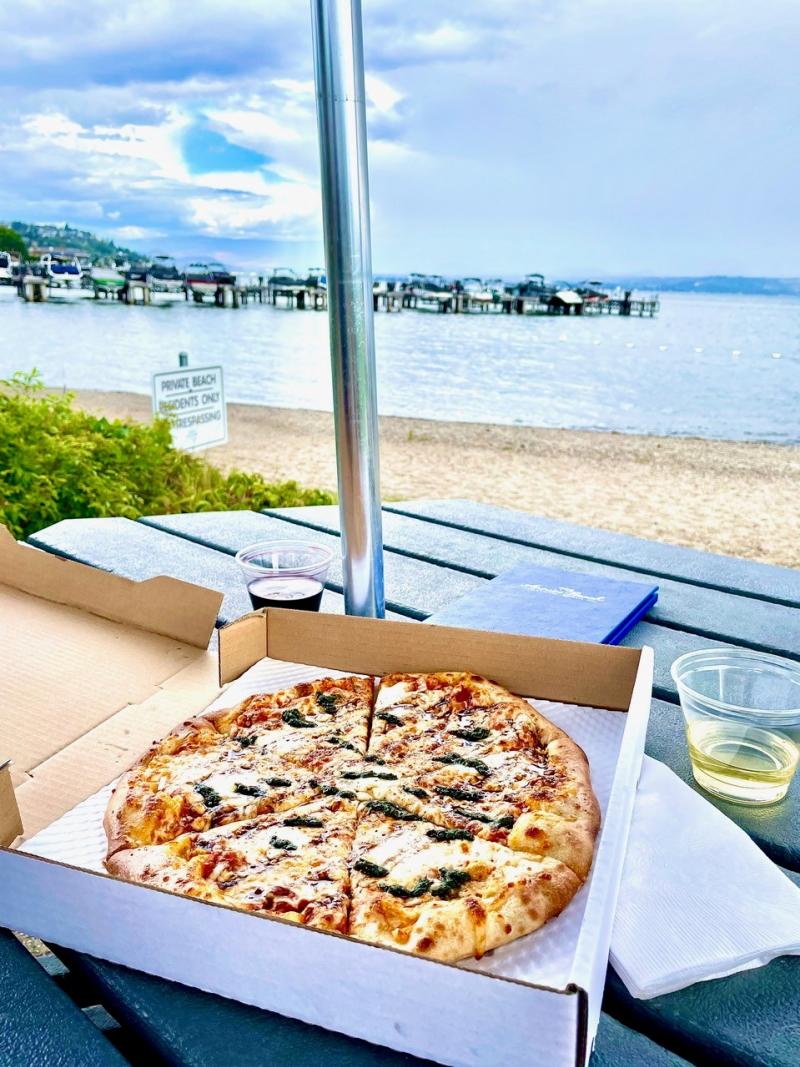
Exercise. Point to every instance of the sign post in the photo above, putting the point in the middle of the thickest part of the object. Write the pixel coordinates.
(194, 400)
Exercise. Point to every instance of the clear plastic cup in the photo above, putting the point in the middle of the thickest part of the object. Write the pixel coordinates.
(742, 715)
(285, 574)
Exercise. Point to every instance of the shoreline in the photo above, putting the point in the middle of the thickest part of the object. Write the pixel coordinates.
(734, 497)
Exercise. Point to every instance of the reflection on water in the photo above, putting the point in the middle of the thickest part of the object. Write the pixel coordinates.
(711, 366)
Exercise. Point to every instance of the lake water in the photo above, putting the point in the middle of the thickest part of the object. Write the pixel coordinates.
(707, 366)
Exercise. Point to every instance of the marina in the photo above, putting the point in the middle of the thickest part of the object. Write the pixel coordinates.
(159, 280)
(419, 292)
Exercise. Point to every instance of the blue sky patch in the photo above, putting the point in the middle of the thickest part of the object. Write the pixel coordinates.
(207, 151)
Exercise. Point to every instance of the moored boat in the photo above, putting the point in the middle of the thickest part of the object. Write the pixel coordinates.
(164, 275)
(532, 285)
(62, 270)
(9, 268)
(284, 278)
(208, 277)
(496, 286)
(477, 290)
(429, 290)
(107, 277)
(592, 292)
(316, 278)
(429, 284)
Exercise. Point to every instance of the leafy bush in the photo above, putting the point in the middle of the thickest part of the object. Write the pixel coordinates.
(10, 241)
(60, 463)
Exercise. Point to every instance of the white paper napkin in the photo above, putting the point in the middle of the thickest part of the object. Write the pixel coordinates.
(698, 899)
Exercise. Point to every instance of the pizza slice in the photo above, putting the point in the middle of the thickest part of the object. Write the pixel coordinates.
(270, 753)
(293, 865)
(146, 809)
(443, 893)
(414, 700)
(417, 713)
(492, 765)
(286, 722)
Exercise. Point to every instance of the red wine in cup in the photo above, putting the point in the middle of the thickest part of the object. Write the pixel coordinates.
(290, 591)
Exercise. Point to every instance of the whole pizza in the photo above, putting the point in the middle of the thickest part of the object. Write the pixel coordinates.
(435, 813)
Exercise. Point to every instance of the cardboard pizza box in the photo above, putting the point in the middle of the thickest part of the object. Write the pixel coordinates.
(98, 666)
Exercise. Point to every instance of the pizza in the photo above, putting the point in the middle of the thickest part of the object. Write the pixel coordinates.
(434, 813)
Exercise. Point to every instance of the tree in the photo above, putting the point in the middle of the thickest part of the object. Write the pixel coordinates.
(10, 241)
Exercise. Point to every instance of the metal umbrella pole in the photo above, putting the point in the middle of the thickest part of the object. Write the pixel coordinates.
(341, 121)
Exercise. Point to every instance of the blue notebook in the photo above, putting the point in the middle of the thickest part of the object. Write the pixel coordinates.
(546, 602)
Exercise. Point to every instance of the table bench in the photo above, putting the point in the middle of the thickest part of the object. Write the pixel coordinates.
(435, 551)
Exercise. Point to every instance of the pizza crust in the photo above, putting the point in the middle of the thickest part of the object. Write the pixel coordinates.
(478, 922)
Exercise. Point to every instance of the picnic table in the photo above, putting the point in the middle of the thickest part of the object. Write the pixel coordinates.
(74, 1010)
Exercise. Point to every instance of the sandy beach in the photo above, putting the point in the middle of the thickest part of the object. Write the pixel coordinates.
(723, 496)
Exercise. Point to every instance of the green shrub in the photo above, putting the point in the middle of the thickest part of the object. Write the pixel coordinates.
(10, 241)
(57, 462)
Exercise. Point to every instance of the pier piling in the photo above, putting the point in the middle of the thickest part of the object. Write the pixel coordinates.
(33, 289)
(135, 292)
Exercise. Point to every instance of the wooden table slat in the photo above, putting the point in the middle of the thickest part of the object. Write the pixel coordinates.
(667, 644)
(39, 1024)
(708, 613)
(202, 544)
(728, 573)
(139, 551)
(415, 587)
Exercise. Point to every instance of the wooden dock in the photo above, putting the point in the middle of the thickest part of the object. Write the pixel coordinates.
(387, 297)
(458, 302)
(622, 306)
(34, 288)
(227, 296)
(301, 297)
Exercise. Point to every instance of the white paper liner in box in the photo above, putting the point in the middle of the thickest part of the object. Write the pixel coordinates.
(545, 957)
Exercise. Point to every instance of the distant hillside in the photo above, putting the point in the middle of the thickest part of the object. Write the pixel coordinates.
(714, 283)
(68, 238)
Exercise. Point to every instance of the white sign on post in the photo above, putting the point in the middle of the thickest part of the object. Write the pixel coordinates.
(194, 398)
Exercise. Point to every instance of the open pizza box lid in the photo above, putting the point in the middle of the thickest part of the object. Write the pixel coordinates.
(98, 666)
(81, 648)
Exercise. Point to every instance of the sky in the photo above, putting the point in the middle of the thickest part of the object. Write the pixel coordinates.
(579, 138)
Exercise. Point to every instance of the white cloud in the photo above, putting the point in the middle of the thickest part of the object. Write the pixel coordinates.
(143, 146)
(380, 94)
(134, 233)
(283, 213)
(446, 38)
(666, 129)
(254, 129)
(295, 87)
(52, 125)
(392, 154)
